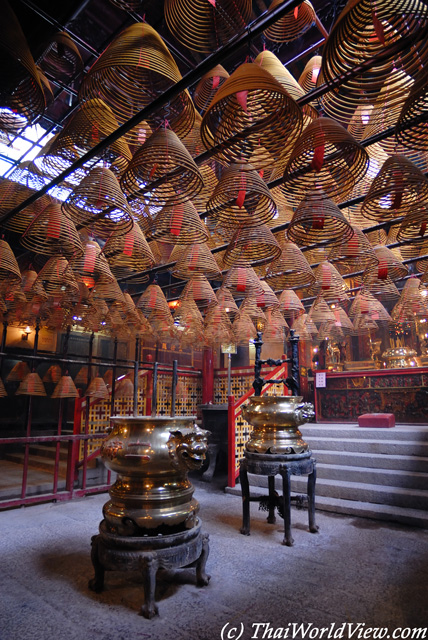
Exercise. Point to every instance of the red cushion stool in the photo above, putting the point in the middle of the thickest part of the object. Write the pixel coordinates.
(381, 420)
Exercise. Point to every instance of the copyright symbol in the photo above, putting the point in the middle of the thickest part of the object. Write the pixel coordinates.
(232, 633)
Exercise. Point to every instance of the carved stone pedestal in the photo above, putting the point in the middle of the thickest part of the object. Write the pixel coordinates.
(148, 554)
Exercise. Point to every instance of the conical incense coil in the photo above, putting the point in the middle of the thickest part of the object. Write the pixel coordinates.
(206, 26)
(226, 301)
(363, 326)
(31, 385)
(199, 289)
(398, 187)
(249, 307)
(97, 389)
(57, 277)
(254, 245)
(320, 311)
(342, 320)
(384, 288)
(366, 304)
(328, 282)
(178, 224)
(10, 273)
(291, 269)
(208, 86)
(128, 253)
(243, 329)
(62, 58)
(304, 327)
(251, 111)
(293, 24)
(363, 31)
(414, 107)
(153, 299)
(108, 291)
(3, 392)
(98, 204)
(163, 168)
(92, 266)
(134, 69)
(196, 259)
(53, 374)
(65, 388)
(318, 219)
(18, 372)
(413, 227)
(389, 266)
(21, 95)
(52, 232)
(290, 304)
(271, 63)
(275, 328)
(90, 124)
(411, 297)
(326, 157)
(354, 252)
(422, 261)
(33, 288)
(241, 198)
(242, 282)
(267, 299)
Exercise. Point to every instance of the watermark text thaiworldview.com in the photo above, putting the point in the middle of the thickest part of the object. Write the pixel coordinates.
(334, 631)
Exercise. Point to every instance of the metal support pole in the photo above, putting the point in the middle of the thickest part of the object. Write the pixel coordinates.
(174, 386)
(29, 417)
(229, 374)
(113, 381)
(155, 389)
(295, 369)
(136, 365)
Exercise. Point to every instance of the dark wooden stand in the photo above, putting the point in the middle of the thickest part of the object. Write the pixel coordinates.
(286, 466)
(148, 554)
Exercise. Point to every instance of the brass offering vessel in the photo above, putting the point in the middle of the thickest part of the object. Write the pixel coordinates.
(399, 357)
(276, 420)
(152, 494)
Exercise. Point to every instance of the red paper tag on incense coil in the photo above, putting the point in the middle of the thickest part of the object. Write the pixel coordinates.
(90, 257)
(325, 277)
(128, 248)
(152, 172)
(35, 308)
(353, 245)
(318, 221)
(31, 385)
(241, 97)
(241, 193)
(212, 2)
(177, 220)
(364, 306)
(242, 280)
(152, 299)
(216, 81)
(318, 158)
(194, 255)
(382, 271)
(54, 224)
(95, 136)
(296, 12)
(422, 229)
(378, 26)
(261, 300)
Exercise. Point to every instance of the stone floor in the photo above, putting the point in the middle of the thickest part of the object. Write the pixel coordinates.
(353, 571)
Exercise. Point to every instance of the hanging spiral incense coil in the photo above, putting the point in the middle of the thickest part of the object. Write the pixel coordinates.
(208, 86)
(58, 278)
(243, 329)
(196, 259)
(415, 106)
(199, 289)
(249, 307)
(10, 273)
(136, 68)
(318, 219)
(267, 299)
(293, 24)
(254, 245)
(397, 189)
(384, 288)
(389, 266)
(205, 26)
(241, 198)
(275, 327)
(320, 311)
(353, 252)
(90, 124)
(251, 112)
(290, 304)
(217, 327)
(268, 61)
(242, 281)
(22, 97)
(309, 76)
(179, 224)
(128, 253)
(65, 388)
(97, 203)
(305, 328)
(92, 266)
(153, 300)
(52, 233)
(31, 385)
(366, 304)
(163, 168)
(325, 156)
(329, 283)
(226, 301)
(362, 31)
(62, 58)
(290, 269)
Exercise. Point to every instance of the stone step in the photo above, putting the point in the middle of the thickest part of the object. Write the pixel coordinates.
(49, 450)
(386, 477)
(368, 460)
(376, 447)
(42, 463)
(413, 433)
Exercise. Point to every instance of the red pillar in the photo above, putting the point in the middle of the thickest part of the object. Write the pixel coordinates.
(207, 376)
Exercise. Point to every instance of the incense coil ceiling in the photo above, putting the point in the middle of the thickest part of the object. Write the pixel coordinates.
(135, 69)
(163, 168)
(415, 106)
(196, 259)
(363, 30)
(179, 224)
(251, 112)
(52, 232)
(255, 245)
(325, 156)
(208, 86)
(129, 253)
(293, 24)
(290, 269)
(205, 25)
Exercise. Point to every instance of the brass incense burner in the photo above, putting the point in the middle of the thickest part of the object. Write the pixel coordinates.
(152, 456)
(399, 357)
(276, 420)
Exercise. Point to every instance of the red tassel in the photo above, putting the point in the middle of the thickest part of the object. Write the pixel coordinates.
(378, 28)
(216, 81)
(296, 12)
(423, 229)
(241, 97)
(129, 244)
(318, 159)
(152, 172)
(177, 220)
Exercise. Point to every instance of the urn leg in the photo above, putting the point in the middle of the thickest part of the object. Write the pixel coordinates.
(212, 453)
(286, 477)
(149, 567)
(245, 488)
(313, 528)
(272, 501)
(202, 578)
(97, 582)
